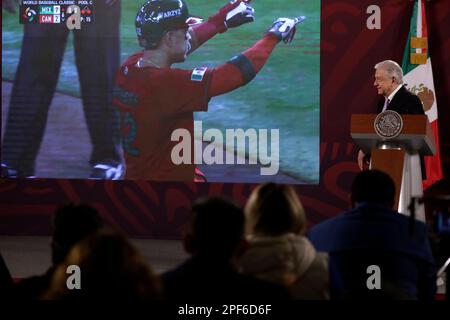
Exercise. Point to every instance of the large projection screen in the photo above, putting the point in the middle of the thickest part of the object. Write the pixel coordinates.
(267, 130)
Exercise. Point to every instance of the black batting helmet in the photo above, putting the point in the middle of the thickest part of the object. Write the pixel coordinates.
(156, 17)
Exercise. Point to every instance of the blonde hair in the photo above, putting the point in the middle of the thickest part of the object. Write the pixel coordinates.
(273, 210)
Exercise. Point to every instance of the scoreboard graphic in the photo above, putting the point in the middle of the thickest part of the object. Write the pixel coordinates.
(55, 12)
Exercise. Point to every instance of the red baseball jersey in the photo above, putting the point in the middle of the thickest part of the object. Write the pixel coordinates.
(151, 103)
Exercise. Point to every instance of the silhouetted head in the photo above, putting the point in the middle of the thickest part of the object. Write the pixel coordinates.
(373, 186)
(72, 223)
(216, 229)
(273, 210)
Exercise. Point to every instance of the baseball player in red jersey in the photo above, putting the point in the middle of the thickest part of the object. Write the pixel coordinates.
(154, 99)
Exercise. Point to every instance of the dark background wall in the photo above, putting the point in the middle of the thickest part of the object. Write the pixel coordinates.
(348, 53)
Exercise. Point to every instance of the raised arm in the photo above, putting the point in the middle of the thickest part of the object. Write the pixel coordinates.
(242, 68)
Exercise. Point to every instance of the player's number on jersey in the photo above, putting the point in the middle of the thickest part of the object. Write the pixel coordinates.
(128, 132)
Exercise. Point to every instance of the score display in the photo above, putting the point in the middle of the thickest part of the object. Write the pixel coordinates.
(55, 12)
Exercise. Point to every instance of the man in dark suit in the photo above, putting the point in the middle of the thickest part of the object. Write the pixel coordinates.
(372, 234)
(389, 84)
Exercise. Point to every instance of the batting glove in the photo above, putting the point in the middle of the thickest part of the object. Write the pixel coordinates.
(241, 14)
(233, 14)
(284, 28)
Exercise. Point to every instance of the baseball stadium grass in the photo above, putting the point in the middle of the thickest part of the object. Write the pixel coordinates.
(284, 95)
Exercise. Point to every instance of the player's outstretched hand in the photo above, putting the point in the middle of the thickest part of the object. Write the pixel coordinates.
(233, 14)
(285, 28)
(240, 14)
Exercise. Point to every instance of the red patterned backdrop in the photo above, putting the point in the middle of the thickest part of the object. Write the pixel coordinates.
(348, 52)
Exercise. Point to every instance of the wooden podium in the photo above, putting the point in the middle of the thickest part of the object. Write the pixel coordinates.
(392, 155)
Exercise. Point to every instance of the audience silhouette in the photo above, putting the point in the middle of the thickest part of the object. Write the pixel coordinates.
(373, 243)
(70, 224)
(278, 251)
(6, 281)
(368, 252)
(110, 268)
(215, 239)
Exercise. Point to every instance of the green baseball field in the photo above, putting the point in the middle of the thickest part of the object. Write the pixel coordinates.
(285, 95)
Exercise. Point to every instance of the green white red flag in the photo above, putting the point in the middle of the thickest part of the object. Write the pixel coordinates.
(418, 77)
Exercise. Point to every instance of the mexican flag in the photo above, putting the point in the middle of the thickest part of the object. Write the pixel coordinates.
(418, 77)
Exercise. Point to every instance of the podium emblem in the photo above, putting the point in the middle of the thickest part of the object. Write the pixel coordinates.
(388, 124)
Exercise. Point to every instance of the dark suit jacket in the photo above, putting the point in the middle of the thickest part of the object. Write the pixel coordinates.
(404, 102)
(376, 235)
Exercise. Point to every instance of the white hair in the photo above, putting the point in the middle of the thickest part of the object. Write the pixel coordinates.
(392, 68)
